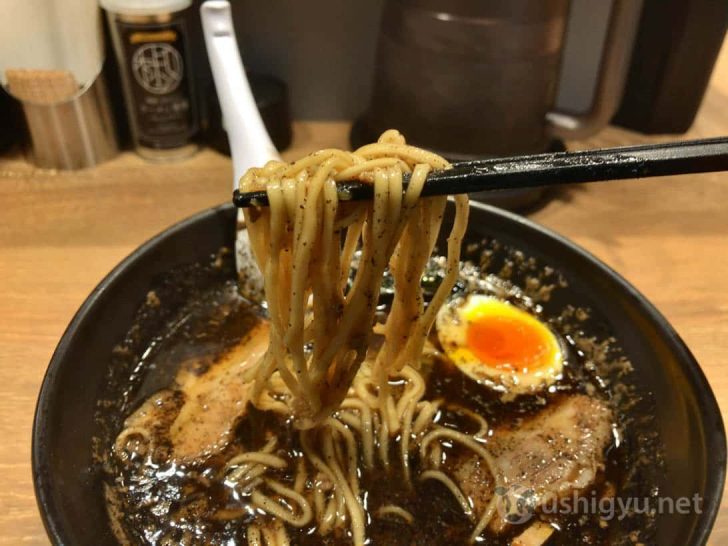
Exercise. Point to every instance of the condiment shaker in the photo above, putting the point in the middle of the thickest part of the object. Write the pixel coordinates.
(152, 47)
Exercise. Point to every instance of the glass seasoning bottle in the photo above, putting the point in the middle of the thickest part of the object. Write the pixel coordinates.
(152, 47)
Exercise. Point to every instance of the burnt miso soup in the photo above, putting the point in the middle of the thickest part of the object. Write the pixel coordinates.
(439, 494)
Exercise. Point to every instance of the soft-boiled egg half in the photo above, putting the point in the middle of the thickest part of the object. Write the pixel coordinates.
(499, 345)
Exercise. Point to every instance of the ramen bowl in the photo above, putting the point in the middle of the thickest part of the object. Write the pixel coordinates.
(683, 411)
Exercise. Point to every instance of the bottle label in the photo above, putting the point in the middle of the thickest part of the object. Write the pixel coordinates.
(158, 81)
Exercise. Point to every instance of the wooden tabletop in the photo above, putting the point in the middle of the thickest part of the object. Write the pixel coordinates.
(61, 232)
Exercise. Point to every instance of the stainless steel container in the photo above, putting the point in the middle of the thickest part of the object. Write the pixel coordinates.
(75, 133)
(51, 56)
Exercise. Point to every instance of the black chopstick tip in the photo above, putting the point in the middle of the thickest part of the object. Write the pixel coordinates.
(253, 199)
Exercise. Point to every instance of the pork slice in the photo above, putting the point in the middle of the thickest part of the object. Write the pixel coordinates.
(215, 399)
(552, 454)
(153, 418)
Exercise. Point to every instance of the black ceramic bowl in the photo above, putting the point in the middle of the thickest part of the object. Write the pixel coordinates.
(69, 491)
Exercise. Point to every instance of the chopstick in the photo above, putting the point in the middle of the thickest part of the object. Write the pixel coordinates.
(672, 158)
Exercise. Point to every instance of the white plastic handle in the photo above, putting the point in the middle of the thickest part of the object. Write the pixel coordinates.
(250, 144)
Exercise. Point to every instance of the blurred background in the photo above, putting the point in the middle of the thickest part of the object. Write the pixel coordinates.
(110, 132)
(465, 78)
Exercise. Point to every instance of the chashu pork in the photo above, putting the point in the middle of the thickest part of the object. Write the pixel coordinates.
(558, 451)
(199, 414)
(215, 400)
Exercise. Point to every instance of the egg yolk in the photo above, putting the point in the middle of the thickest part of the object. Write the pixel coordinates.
(509, 343)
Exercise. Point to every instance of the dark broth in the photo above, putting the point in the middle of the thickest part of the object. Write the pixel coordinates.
(152, 501)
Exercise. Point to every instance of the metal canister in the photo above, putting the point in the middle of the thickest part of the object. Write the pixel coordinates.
(151, 43)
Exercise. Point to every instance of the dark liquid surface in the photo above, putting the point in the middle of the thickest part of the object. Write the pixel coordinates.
(156, 502)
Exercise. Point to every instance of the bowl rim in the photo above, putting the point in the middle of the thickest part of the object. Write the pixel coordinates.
(709, 411)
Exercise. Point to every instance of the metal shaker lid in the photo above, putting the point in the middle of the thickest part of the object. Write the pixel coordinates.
(144, 7)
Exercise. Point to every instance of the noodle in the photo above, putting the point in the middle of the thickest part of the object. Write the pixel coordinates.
(454, 489)
(398, 511)
(254, 536)
(297, 244)
(257, 457)
(282, 512)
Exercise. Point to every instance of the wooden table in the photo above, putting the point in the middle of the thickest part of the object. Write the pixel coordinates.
(61, 232)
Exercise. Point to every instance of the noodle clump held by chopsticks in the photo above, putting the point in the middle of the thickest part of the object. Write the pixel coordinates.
(304, 242)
